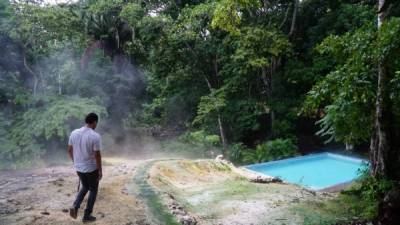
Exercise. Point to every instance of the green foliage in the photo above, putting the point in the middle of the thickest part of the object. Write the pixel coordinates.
(236, 152)
(271, 150)
(343, 123)
(243, 115)
(253, 52)
(7, 145)
(52, 119)
(363, 197)
(349, 90)
(201, 138)
(228, 14)
(359, 201)
(339, 19)
(347, 93)
(227, 9)
(388, 42)
(132, 13)
(182, 148)
(5, 15)
(105, 6)
(328, 212)
(40, 28)
(206, 63)
(209, 106)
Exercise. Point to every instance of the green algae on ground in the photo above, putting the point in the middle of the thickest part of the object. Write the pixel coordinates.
(324, 213)
(232, 189)
(219, 195)
(152, 199)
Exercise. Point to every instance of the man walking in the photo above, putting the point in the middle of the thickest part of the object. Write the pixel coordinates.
(84, 149)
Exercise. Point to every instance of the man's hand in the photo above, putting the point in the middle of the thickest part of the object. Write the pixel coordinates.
(100, 175)
(97, 156)
(71, 152)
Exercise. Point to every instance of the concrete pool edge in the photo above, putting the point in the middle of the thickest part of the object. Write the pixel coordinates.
(309, 156)
(333, 188)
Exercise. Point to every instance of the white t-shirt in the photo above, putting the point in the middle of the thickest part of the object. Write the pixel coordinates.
(85, 141)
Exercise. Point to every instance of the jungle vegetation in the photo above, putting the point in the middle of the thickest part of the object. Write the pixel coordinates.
(258, 79)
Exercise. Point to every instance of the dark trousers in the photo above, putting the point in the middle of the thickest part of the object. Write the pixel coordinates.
(89, 182)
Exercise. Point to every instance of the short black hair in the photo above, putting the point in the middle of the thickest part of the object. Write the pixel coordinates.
(91, 118)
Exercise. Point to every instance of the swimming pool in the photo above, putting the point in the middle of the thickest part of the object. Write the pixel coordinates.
(316, 171)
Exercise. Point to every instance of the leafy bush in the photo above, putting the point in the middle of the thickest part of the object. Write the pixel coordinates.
(236, 152)
(201, 138)
(363, 198)
(271, 150)
(347, 94)
(50, 120)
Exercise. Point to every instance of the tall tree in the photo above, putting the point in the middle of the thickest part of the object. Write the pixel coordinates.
(385, 142)
(242, 18)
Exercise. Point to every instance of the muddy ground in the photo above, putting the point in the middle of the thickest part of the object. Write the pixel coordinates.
(209, 193)
(215, 194)
(43, 196)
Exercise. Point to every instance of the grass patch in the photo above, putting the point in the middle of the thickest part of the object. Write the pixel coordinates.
(152, 199)
(359, 202)
(239, 189)
(232, 189)
(338, 210)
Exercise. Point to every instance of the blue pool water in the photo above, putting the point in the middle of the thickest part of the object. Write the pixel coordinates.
(317, 171)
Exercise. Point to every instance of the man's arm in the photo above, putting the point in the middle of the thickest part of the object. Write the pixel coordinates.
(71, 152)
(97, 156)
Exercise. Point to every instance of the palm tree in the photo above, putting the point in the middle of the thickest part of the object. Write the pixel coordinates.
(109, 33)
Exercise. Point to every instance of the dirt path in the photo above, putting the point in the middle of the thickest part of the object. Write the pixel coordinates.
(42, 196)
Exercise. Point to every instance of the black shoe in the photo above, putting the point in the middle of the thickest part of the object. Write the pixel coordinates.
(73, 212)
(89, 218)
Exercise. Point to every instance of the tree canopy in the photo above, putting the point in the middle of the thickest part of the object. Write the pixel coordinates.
(248, 72)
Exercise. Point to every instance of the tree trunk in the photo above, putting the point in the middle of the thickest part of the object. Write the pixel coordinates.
(285, 18)
(385, 142)
(294, 17)
(221, 125)
(33, 74)
(267, 91)
(222, 133)
(266, 75)
(35, 85)
(380, 142)
(59, 84)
